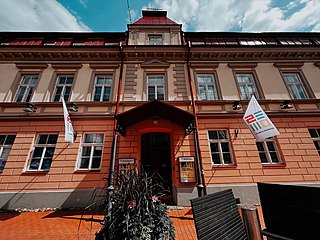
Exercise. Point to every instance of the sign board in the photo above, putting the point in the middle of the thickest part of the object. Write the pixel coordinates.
(187, 169)
(126, 164)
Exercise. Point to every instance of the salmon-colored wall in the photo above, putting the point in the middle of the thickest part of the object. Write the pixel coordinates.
(62, 174)
(301, 162)
(181, 145)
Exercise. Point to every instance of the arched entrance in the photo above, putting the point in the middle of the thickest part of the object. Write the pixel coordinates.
(156, 157)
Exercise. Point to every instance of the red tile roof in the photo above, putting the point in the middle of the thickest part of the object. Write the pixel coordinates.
(154, 18)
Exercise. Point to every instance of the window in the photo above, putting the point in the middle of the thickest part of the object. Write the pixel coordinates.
(63, 87)
(102, 88)
(155, 39)
(91, 151)
(26, 87)
(315, 135)
(247, 86)
(43, 152)
(268, 151)
(6, 142)
(295, 85)
(155, 87)
(207, 87)
(220, 147)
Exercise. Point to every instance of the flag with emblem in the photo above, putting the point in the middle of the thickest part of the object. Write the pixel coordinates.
(69, 133)
(258, 122)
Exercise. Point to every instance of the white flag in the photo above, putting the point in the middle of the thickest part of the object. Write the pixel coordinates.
(258, 122)
(68, 134)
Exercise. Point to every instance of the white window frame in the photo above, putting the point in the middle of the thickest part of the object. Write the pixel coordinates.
(29, 87)
(153, 39)
(219, 142)
(293, 86)
(64, 87)
(205, 85)
(3, 146)
(267, 151)
(245, 86)
(92, 146)
(316, 140)
(45, 146)
(103, 86)
(156, 86)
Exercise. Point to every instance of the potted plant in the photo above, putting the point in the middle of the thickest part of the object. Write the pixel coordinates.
(134, 210)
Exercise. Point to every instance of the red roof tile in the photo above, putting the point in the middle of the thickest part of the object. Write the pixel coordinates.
(154, 18)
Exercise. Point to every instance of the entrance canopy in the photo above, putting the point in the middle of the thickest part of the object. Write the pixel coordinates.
(155, 108)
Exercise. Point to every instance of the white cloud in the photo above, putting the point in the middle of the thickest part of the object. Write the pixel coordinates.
(243, 15)
(37, 15)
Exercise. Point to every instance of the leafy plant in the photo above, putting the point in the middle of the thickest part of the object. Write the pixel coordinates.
(136, 210)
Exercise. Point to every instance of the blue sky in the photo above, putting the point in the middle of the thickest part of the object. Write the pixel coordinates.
(194, 15)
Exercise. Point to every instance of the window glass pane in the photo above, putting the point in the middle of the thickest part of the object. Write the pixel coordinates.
(317, 145)
(69, 80)
(10, 139)
(260, 146)
(5, 153)
(214, 147)
(271, 146)
(29, 94)
(49, 152)
(222, 134)
(34, 165)
(96, 162)
(62, 80)
(213, 135)
(52, 138)
(84, 162)
(46, 164)
(274, 157)
(216, 158)
(88, 138)
(97, 151)
(211, 92)
(2, 139)
(99, 138)
(97, 93)
(86, 151)
(227, 158)
(106, 95)
(151, 93)
(160, 93)
(37, 153)
(225, 147)
(20, 93)
(313, 133)
(263, 157)
(202, 92)
(43, 139)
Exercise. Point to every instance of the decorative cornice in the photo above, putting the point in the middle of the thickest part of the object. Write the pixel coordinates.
(288, 64)
(243, 65)
(204, 65)
(66, 65)
(31, 65)
(103, 66)
(155, 63)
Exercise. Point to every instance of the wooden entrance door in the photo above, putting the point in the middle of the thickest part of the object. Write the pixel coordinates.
(156, 157)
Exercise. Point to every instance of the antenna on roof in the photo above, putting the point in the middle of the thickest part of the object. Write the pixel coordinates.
(129, 11)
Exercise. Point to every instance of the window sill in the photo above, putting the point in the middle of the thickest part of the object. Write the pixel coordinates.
(86, 170)
(273, 165)
(37, 172)
(233, 166)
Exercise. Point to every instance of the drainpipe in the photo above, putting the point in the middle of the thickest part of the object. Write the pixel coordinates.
(110, 188)
(200, 174)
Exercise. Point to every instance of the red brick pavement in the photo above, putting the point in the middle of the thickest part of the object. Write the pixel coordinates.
(72, 225)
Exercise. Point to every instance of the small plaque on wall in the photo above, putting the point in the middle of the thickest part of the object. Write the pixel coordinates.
(187, 169)
(126, 164)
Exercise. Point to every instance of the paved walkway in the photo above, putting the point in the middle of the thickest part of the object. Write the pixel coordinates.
(72, 225)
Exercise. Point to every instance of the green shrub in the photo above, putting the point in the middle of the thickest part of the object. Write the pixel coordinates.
(137, 212)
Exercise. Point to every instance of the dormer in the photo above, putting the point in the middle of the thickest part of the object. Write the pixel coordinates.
(154, 28)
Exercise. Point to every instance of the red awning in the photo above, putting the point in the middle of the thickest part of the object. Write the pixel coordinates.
(151, 109)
